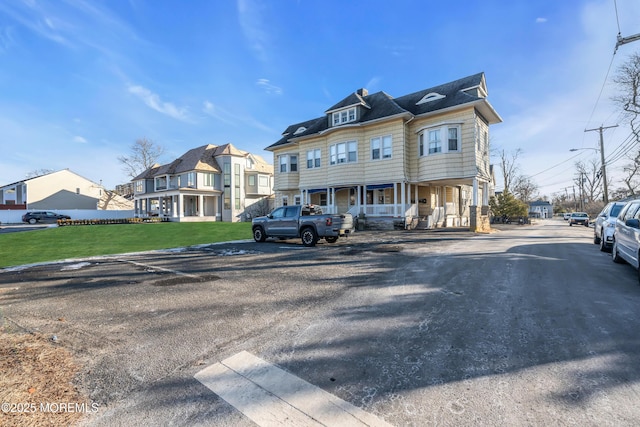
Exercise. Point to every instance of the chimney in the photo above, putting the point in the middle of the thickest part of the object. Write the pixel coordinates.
(362, 92)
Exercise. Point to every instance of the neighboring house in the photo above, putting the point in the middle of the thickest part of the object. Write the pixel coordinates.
(540, 209)
(207, 183)
(422, 158)
(59, 190)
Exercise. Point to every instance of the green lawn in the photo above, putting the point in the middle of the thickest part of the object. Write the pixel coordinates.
(57, 243)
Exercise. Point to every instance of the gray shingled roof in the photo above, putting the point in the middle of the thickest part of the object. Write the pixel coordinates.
(382, 105)
(202, 159)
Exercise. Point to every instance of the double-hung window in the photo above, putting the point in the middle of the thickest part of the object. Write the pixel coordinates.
(313, 158)
(435, 143)
(439, 139)
(344, 152)
(288, 163)
(381, 147)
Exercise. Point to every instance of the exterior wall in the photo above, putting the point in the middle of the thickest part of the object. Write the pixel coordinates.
(445, 165)
(62, 190)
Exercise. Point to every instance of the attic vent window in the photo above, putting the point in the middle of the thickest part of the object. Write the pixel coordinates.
(300, 130)
(432, 96)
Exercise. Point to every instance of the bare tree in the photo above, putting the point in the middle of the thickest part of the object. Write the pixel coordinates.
(38, 172)
(144, 154)
(628, 99)
(525, 189)
(589, 179)
(509, 166)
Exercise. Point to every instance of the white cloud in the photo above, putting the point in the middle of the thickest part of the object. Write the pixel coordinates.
(541, 20)
(153, 101)
(250, 16)
(268, 87)
(79, 139)
(233, 119)
(373, 83)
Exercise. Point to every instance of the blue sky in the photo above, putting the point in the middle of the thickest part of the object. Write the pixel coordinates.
(80, 81)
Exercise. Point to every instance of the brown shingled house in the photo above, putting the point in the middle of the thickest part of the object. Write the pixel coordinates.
(207, 183)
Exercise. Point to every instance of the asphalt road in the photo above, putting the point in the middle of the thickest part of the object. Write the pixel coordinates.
(530, 325)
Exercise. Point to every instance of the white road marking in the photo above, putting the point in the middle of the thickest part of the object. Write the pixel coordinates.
(270, 396)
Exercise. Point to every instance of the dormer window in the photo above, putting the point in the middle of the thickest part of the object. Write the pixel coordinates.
(344, 116)
(300, 130)
(431, 96)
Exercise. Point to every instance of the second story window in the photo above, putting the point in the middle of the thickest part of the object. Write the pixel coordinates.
(313, 158)
(344, 152)
(441, 139)
(288, 163)
(381, 147)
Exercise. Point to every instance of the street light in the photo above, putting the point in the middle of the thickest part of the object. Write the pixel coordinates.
(602, 169)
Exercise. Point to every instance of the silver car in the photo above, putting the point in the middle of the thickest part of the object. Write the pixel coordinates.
(626, 238)
(605, 225)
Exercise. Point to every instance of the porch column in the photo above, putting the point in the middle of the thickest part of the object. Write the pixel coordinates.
(485, 194)
(395, 199)
(200, 205)
(359, 196)
(364, 199)
(474, 197)
(180, 205)
(415, 189)
(174, 202)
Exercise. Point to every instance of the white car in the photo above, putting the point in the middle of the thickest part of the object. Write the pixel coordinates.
(626, 238)
(605, 225)
(566, 216)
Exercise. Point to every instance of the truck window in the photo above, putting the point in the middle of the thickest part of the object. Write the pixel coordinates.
(278, 213)
(291, 212)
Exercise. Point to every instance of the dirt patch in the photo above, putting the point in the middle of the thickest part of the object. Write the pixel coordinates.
(36, 385)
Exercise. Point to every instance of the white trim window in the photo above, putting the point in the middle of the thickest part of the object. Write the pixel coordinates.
(381, 147)
(288, 163)
(430, 141)
(313, 158)
(344, 152)
(344, 116)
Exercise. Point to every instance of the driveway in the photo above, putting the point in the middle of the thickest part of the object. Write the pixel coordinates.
(530, 325)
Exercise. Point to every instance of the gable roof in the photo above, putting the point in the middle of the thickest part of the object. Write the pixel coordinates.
(67, 170)
(467, 90)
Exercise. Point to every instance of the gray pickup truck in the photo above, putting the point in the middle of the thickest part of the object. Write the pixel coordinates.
(306, 222)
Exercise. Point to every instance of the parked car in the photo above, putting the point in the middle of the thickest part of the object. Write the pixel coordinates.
(566, 216)
(626, 237)
(579, 218)
(605, 225)
(306, 222)
(43, 216)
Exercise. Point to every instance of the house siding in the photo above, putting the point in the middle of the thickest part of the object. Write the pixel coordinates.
(443, 184)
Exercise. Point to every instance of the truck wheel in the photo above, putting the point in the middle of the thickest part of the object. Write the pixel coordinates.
(331, 239)
(258, 235)
(596, 239)
(309, 237)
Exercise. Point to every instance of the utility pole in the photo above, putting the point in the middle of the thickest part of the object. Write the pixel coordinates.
(603, 168)
(625, 40)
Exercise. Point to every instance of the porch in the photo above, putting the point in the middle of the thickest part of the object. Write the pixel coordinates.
(180, 207)
(414, 205)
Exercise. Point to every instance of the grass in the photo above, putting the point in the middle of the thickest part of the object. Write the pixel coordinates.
(58, 243)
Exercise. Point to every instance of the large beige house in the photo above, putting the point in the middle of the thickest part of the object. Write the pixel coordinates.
(422, 158)
(207, 183)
